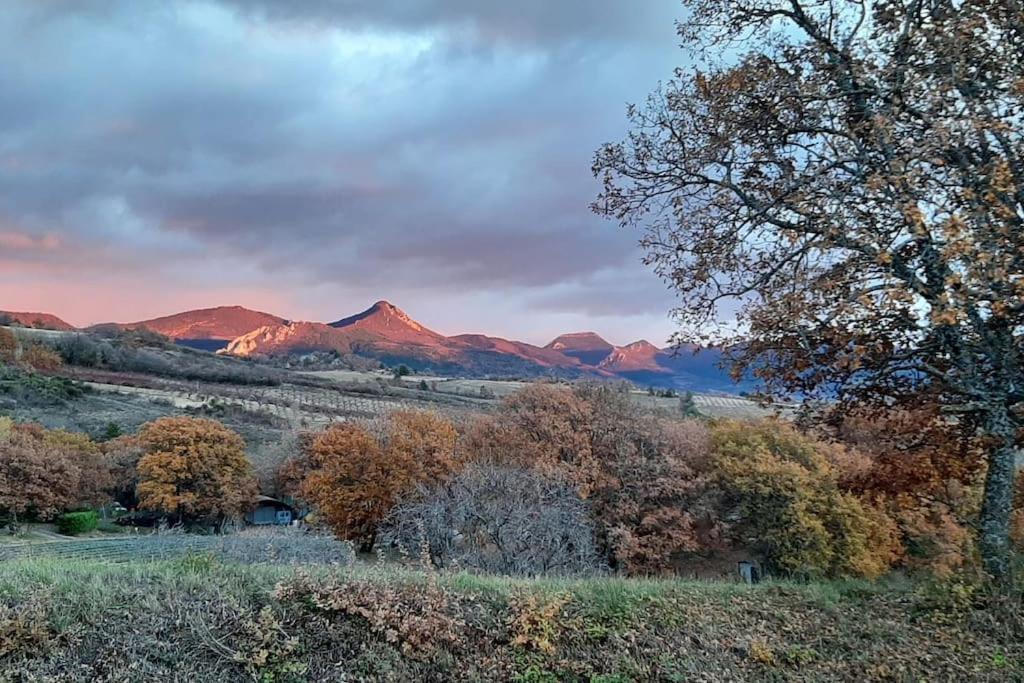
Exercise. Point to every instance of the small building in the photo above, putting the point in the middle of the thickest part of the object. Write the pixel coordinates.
(267, 511)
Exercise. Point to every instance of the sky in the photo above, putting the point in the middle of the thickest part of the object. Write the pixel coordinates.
(309, 158)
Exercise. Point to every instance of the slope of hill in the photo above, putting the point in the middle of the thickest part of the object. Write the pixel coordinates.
(130, 620)
(210, 329)
(289, 337)
(639, 356)
(385, 327)
(42, 321)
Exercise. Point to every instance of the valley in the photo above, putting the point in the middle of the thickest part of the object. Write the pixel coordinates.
(286, 398)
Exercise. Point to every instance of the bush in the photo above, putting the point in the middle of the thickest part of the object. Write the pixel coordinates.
(652, 500)
(927, 471)
(644, 477)
(42, 358)
(75, 523)
(141, 351)
(542, 426)
(502, 520)
(44, 472)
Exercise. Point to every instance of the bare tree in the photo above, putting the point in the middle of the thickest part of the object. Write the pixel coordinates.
(497, 519)
(853, 180)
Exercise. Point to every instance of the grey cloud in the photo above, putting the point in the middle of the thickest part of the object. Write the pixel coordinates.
(442, 144)
(608, 294)
(523, 21)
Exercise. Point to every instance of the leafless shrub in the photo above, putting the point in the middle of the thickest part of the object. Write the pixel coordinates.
(267, 457)
(283, 545)
(501, 520)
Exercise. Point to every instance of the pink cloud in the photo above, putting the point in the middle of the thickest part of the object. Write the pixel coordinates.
(25, 242)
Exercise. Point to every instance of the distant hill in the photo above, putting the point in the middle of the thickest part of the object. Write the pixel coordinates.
(386, 333)
(209, 329)
(42, 321)
(685, 369)
(639, 356)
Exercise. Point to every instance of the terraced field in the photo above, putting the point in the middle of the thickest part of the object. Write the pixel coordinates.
(294, 403)
(712, 405)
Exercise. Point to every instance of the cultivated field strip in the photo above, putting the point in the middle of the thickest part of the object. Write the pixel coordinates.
(111, 549)
(249, 549)
(286, 402)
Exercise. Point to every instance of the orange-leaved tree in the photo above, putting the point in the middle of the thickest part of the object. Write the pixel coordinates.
(8, 346)
(543, 426)
(424, 439)
(94, 479)
(194, 469)
(346, 477)
(38, 476)
(354, 479)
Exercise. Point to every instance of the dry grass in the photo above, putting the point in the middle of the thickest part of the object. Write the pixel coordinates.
(198, 618)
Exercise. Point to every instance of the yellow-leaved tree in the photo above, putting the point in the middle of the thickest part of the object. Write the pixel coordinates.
(782, 491)
(194, 470)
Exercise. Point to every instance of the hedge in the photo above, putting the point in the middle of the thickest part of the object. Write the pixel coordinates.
(75, 523)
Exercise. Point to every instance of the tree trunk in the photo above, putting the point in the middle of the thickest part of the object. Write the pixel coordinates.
(998, 499)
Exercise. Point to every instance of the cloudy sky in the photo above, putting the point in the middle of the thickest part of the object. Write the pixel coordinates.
(308, 158)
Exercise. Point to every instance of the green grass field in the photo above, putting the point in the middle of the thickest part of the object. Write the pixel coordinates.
(195, 617)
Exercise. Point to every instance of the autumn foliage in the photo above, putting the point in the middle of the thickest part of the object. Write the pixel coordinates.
(8, 346)
(835, 192)
(122, 455)
(782, 488)
(650, 496)
(354, 478)
(40, 357)
(43, 473)
(543, 426)
(33, 355)
(194, 469)
(659, 490)
(662, 489)
(927, 471)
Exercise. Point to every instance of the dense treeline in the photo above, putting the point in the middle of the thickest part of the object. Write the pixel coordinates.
(658, 492)
(556, 480)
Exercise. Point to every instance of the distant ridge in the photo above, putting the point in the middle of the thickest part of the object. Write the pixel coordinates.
(587, 347)
(221, 323)
(386, 333)
(44, 321)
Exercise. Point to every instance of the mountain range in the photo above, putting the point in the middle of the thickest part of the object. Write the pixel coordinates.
(386, 333)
